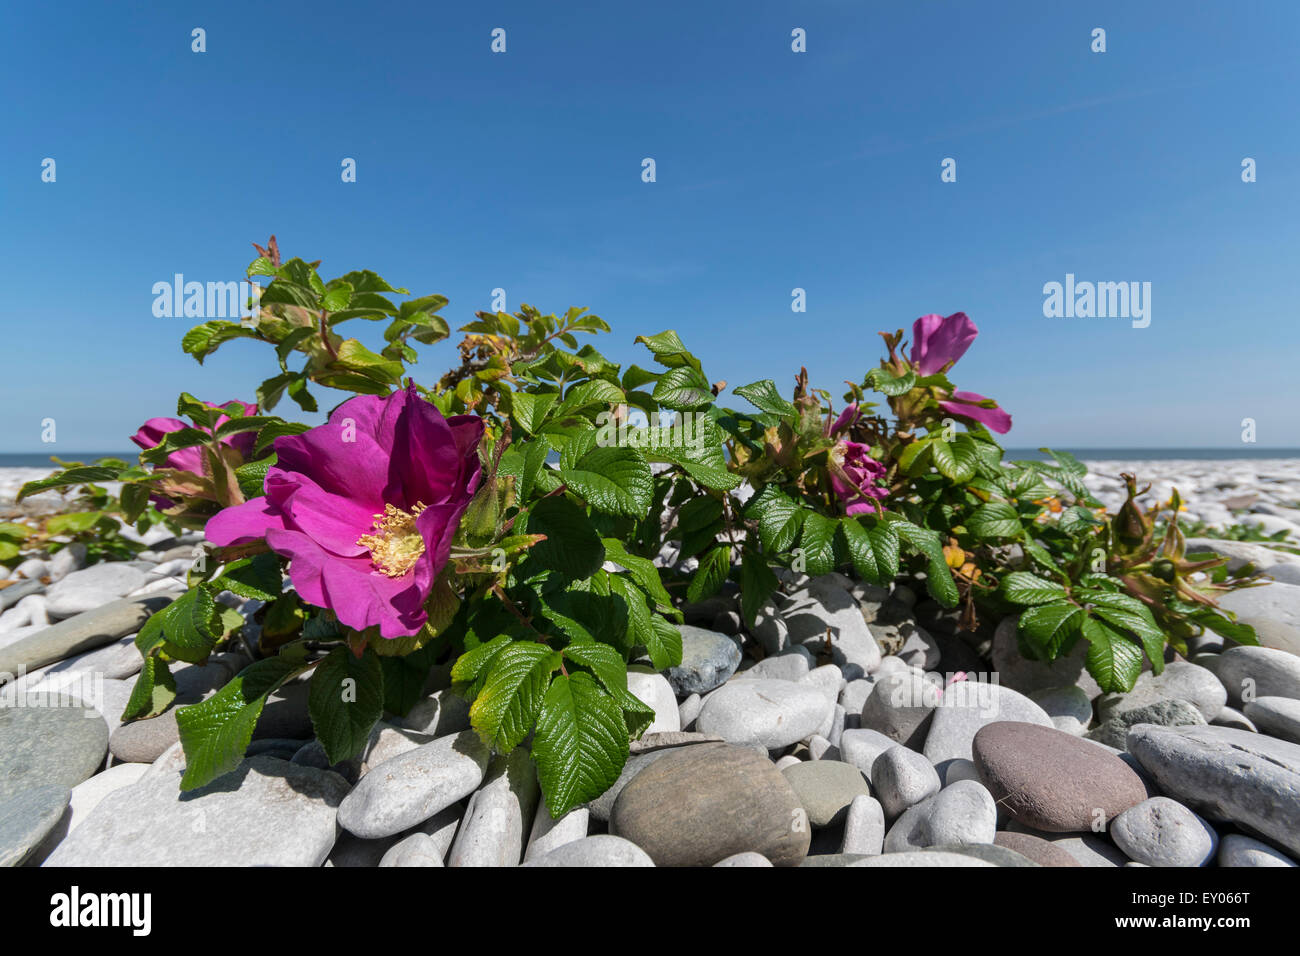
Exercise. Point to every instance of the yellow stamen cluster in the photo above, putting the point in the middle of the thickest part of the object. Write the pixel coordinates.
(396, 544)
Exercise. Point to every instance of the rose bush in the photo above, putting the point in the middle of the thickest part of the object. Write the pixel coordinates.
(515, 520)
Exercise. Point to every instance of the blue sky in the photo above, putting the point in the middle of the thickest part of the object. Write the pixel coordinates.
(775, 170)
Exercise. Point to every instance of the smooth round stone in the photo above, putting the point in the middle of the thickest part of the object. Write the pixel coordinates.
(54, 746)
(901, 707)
(1163, 832)
(968, 706)
(27, 818)
(93, 587)
(827, 679)
(1178, 681)
(1263, 671)
(701, 804)
(864, 827)
(1272, 610)
(439, 715)
(1069, 707)
(862, 747)
(902, 778)
(963, 813)
(1086, 849)
(921, 858)
(823, 608)
(708, 661)
(418, 849)
(825, 788)
(90, 792)
(266, 812)
(143, 741)
(1238, 850)
(84, 632)
(1167, 713)
(745, 859)
(764, 713)
(1229, 717)
(116, 661)
(688, 710)
(1053, 781)
(853, 697)
(600, 850)
(549, 832)
(988, 852)
(1252, 780)
(413, 786)
(493, 830)
(655, 692)
(789, 665)
(1043, 852)
(1276, 716)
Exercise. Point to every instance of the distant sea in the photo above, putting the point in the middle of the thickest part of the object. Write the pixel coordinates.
(42, 459)
(1158, 454)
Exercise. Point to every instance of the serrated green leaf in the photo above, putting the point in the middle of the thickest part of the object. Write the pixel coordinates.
(506, 708)
(1021, 587)
(1113, 660)
(1049, 626)
(581, 742)
(345, 700)
(154, 690)
(612, 480)
(765, 396)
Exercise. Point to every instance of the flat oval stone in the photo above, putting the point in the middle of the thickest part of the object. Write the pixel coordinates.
(764, 713)
(1043, 852)
(1051, 780)
(599, 850)
(901, 707)
(1163, 832)
(1238, 850)
(708, 661)
(413, 786)
(965, 707)
(1223, 774)
(1264, 671)
(26, 819)
(962, 813)
(56, 746)
(826, 788)
(1276, 716)
(702, 804)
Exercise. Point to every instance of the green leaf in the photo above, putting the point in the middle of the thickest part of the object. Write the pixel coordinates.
(818, 543)
(683, 389)
(956, 460)
(251, 477)
(202, 340)
(668, 349)
(764, 395)
(475, 663)
(572, 544)
(153, 692)
(641, 570)
(713, 570)
(581, 742)
(779, 518)
(995, 520)
(74, 522)
(1113, 660)
(874, 551)
(665, 645)
(757, 584)
(529, 409)
(188, 626)
(65, 479)
(1021, 587)
(507, 706)
(938, 576)
(1049, 627)
(884, 381)
(345, 700)
(612, 480)
(215, 733)
(611, 670)
(258, 577)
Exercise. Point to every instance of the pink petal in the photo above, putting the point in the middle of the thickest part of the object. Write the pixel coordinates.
(937, 340)
(995, 419)
(243, 524)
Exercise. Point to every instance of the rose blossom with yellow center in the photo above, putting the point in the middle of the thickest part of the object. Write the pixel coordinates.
(396, 543)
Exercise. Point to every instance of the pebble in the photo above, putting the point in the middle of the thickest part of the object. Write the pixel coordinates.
(688, 710)
(1068, 706)
(1238, 850)
(549, 833)
(56, 746)
(1051, 780)
(1229, 717)
(745, 859)
(962, 813)
(1272, 610)
(822, 608)
(1276, 716)
(66, 560)
(1021, 674)
(266, 812)
(1178, 681)
(1227, 775)
(1166, 713)
(493, 829)
(653, 690)
(116, 661)
(1163, 832)
(418, 849)
(83, 632)
(93, 587)
(1086, 849)
(901, 779)
(440, 714)
(901, 707)
(789, 665)
(1263, 671)
(144, 741)
(701, 804)
(864, 827)
(1043, 852)
(968, 706)
(825, 789)
(920, 858)
(595, 851)
(862, 747)
(708, 661)
(26, 819)
(765, 713)
(413, 786)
